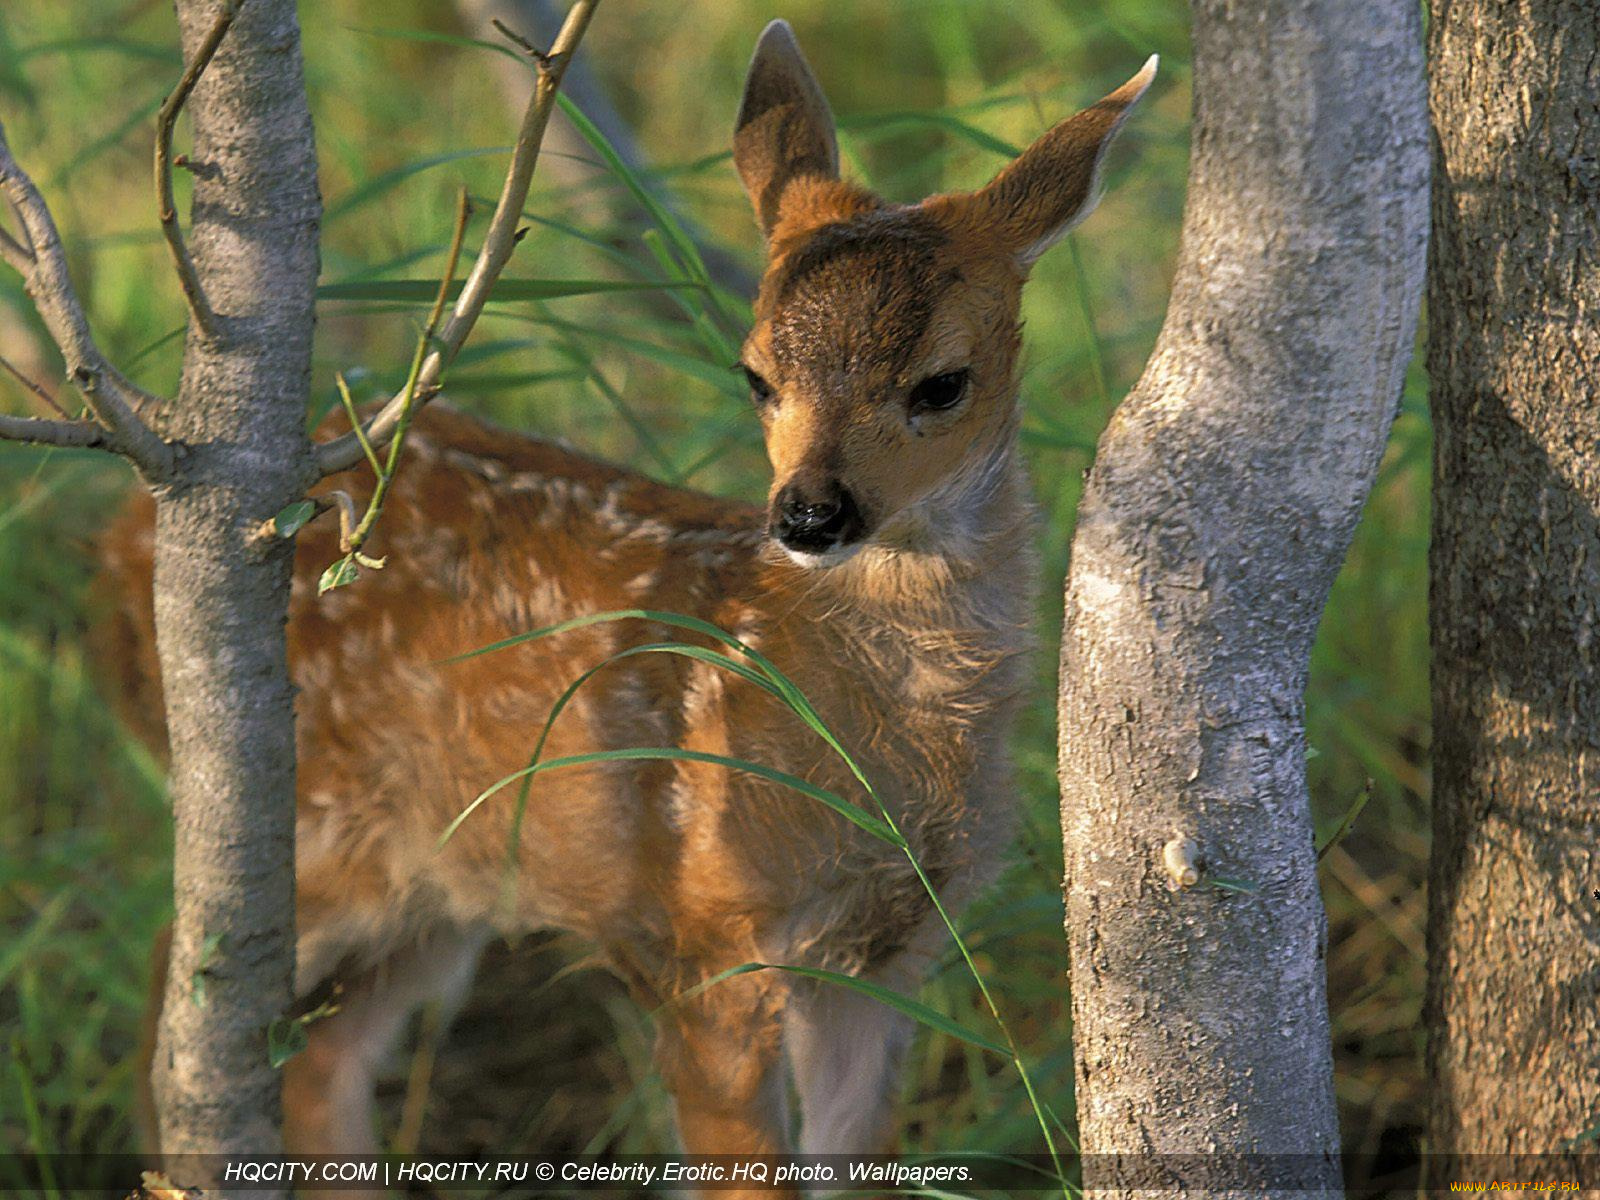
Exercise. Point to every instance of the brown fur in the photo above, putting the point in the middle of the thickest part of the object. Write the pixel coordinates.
(912, 648)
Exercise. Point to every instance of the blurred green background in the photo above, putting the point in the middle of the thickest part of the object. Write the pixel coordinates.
(549, 1055)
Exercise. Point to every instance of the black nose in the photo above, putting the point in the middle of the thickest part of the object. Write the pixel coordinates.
(815, 520)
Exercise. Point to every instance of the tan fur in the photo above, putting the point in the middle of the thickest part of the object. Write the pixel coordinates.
(913, 649)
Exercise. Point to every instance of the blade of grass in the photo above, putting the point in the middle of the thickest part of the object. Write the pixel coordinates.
(387, 181)
(892, 122)
(1354, 811)
(839, 804)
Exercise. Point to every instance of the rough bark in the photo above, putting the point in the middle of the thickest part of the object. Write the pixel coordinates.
(1219, 509)
(1514, 355)
(222, 596)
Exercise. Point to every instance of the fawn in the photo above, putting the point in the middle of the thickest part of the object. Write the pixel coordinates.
(890, 576)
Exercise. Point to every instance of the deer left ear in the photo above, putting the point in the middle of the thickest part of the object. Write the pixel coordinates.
(1054, 183)
(785, 129)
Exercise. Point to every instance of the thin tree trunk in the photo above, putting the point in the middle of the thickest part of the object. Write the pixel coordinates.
(1220, 507)
(222, 595)
(1514, 355)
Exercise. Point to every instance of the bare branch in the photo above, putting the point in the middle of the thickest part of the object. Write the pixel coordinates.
(49, 400)
(109, 395)
(42, 432)
(166, 208)
(498, 244)
(18, 256)
(412, 396)
(516, 39)
(353, 534)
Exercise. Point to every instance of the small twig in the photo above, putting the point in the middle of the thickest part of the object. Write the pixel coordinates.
(166, 207)
(348, 519)
(516, 39)
(46, 397)
(109, 394)
(40, 431)
(17, 256)
(412, 394)
(498, 244)
(355, 423)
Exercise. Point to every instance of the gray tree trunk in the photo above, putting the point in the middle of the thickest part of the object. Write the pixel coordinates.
(1219, 509)
(1514, 355)
(222, 597)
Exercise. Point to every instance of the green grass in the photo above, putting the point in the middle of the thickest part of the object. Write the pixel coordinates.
(929, 92)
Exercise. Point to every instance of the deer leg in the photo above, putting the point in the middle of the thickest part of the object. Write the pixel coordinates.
(845, 1051)
(328, 1086)
(720, 1055)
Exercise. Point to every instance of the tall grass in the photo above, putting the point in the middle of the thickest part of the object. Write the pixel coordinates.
(932, 94)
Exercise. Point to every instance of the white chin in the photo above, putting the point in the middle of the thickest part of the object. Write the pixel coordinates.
(828, 558)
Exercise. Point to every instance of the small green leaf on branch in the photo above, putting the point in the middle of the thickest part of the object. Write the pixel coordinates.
(292, 519)
(339, 575)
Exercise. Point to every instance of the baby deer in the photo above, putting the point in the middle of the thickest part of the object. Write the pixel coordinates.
(890, 577)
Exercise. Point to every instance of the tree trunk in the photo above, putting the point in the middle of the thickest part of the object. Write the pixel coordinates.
(1514, 355)
(222, 596)
(1219, 509)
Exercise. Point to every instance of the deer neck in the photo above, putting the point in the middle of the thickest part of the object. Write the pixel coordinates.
(960, 561)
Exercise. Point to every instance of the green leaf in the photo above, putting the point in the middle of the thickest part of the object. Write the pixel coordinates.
(339, 574)
(286, 1037)
(292, 519)
(914, 1009)
(423, 291)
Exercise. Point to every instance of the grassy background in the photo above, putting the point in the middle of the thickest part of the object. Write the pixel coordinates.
(550, 1055)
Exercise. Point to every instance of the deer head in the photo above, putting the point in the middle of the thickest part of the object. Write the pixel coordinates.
(882, 360)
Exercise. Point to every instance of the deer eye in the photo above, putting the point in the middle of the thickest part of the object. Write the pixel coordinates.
(939, 391)
(760, 389)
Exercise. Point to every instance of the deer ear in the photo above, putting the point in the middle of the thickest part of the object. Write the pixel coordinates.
(785, 129)
(1054, 183)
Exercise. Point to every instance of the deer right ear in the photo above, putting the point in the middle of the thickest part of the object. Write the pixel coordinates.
(785, 129)
(1054, 184)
